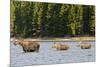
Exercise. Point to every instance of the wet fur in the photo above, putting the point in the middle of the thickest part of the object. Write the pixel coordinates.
(60, 46)
(28, 46)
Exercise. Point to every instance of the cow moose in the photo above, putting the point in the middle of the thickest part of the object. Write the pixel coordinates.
(85, 45)
(28, 46)
(60, 46)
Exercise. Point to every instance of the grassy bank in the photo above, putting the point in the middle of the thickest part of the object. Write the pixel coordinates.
(82, 38)
(70, 38)
(60, 38)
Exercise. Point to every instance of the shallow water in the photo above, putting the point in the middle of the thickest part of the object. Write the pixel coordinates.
(49, 55)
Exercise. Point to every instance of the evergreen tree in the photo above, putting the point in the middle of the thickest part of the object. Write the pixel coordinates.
(42, 17)
(63, 19)
(29, 19)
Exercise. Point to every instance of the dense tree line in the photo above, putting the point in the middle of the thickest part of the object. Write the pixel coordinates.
(37, 19)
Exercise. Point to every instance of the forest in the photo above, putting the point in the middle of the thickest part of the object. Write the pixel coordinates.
(40, 19)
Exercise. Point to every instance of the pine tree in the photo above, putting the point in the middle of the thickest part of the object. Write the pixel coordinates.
(27, 11)
(12, 16)
(41, 18)
(92, 20)
(63, 19)
(18, 19)
(89, 20)
(37, 19)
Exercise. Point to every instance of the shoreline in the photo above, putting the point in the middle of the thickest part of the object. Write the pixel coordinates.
(59, 39)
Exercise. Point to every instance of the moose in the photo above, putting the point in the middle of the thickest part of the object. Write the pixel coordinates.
(28, 46)
(84, 45)
(60, 46)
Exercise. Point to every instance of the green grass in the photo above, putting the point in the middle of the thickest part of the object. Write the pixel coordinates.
(69, 38)
(62, 38)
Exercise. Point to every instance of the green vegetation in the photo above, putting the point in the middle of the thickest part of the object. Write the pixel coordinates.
(37, 19)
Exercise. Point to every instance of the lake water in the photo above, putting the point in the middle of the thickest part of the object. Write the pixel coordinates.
(49, 55)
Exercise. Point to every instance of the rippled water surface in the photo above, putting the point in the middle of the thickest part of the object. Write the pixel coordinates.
(48, 55)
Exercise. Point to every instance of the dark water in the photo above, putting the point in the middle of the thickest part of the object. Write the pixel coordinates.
(48, 55)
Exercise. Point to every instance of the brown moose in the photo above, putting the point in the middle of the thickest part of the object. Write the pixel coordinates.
(28, 46)
(84, 45)
(60, 46)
